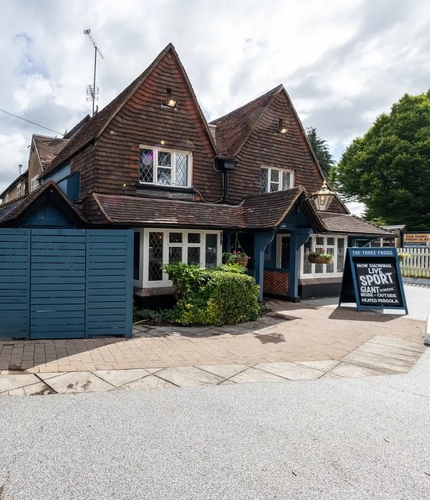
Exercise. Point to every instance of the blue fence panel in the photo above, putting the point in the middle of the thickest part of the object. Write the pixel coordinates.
(109, 295)
(65, 283)
(14, 282)
(57, 262)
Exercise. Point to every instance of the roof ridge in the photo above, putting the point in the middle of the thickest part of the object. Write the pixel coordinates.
(275, 90)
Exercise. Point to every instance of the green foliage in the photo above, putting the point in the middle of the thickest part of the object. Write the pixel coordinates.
(321, 150)
(212, 297)
(231, 268)
(388, 168)
(157, 316)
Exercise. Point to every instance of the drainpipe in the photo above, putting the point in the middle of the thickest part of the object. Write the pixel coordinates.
(226, 167)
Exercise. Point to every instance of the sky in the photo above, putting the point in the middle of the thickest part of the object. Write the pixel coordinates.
(343, 63)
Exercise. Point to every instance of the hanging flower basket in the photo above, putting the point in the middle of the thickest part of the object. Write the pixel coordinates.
(236, 258)
(320, 257)
(313, 259)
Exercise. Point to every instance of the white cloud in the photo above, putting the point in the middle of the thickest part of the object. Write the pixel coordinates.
(342, 63)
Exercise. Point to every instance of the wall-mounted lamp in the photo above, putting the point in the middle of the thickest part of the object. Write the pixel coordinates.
(170, 101)
(282, 127)
(323, 197)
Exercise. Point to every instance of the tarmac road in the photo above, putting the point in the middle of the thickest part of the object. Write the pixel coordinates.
(323, 439)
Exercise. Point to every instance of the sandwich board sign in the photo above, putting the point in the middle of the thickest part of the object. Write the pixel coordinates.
(372, 279)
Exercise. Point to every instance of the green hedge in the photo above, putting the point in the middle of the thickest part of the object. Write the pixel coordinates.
(221, 296)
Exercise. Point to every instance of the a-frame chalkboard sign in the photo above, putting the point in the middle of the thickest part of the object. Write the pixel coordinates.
(372, 279)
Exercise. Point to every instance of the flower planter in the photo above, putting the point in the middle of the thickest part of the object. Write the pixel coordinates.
(242, 261)
(313, 259)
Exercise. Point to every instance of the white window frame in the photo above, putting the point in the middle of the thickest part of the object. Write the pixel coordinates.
(143, 281)
(6, 198)
(18, 190)
(173, 166)
(34, 184)
(324, 274)
(280, 178)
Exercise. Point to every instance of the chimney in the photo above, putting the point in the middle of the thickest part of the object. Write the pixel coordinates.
(20, 169)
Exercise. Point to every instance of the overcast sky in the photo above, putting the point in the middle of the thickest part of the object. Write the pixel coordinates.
(343, 63)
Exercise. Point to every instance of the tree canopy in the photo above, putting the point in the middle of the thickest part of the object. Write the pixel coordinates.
(321, 150)
(388, 168)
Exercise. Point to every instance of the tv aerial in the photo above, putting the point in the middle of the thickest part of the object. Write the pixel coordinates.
(93, 91)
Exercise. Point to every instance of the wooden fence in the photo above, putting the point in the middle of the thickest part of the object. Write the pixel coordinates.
(65, 283)
(417, 265)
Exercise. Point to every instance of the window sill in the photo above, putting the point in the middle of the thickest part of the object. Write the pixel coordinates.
(178, 189)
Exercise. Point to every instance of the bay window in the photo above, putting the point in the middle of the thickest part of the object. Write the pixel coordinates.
(334, 245)
(164, 167)
(275, 179)
(168, 246)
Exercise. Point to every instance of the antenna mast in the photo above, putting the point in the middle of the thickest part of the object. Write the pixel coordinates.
(92, 90)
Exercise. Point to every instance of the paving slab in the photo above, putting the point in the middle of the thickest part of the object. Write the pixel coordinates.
(11, 382)
(353, 371)
(47, 376)
(147, 383)
(39, 389)
(121, 377)
(251, 375)
(189, 376)
(375, 362)
(17, 392)
(390, 354)
(78, 382)
(290, 371)
(404, 344)
(224, 371)
(323, 366)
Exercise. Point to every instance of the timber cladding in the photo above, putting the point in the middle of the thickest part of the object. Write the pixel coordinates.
(265, 147)
(143, 121)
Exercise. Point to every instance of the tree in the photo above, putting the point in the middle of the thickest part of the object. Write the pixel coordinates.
(388, 168)
(321, 150)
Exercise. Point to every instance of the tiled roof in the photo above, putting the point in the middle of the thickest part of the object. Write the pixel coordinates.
(130, 210)
(6, 214)
(48, 148)
(262, 211)
(97, 123)
(77, 127)
(233, 129)
(6, 209)
(268, 210)
(344, 223)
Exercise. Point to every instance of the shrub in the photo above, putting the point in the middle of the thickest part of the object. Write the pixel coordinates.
(212, 297)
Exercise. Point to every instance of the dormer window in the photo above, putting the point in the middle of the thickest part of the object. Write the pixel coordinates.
(164, 167)
(18, 190)
(275, 179)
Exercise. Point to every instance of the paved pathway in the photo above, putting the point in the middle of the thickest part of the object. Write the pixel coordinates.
(378, 356)
(301, 332)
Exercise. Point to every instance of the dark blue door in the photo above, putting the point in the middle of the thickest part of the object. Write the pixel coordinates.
(57, 289)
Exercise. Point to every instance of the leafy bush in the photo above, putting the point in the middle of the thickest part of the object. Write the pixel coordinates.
(212, 297)
(151, 315)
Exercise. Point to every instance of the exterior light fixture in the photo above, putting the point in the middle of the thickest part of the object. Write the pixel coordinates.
(323, 197)
(170, 101)
(282, 127)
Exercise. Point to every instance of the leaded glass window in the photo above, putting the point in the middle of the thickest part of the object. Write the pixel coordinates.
(146, 166)
(164, 168)
(194, 256)
(211, 250)
(264, 179)
(181, 169)
(155, 257)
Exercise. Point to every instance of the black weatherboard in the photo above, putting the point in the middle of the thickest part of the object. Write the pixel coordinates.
(372, 279)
